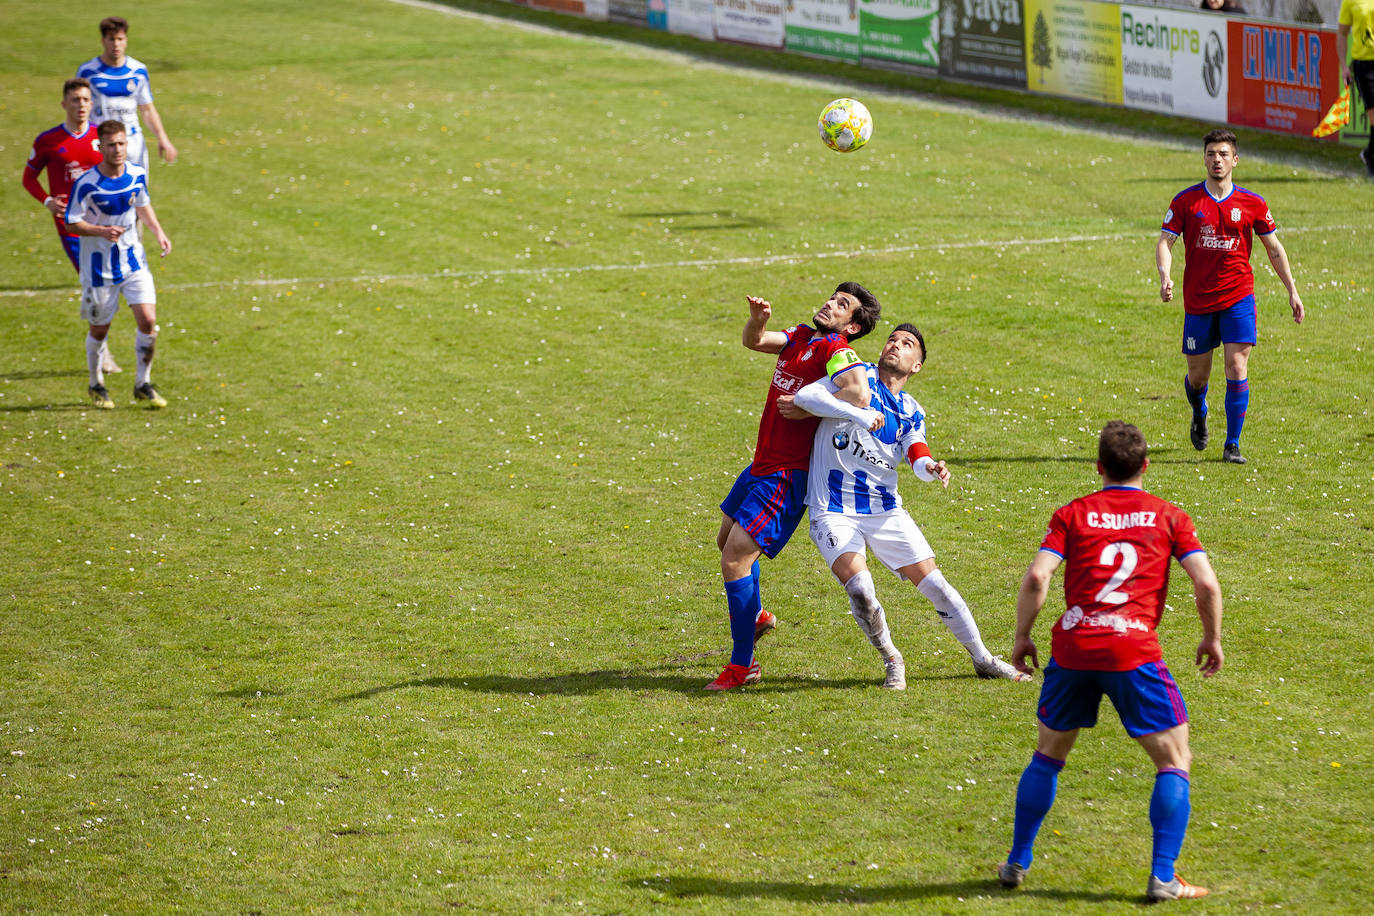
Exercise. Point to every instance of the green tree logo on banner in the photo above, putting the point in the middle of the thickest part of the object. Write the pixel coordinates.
(1040, 46)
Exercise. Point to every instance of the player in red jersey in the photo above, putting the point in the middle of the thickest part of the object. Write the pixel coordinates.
(769, 497)
(1117, 544)
(66, 151)
(1217, 221)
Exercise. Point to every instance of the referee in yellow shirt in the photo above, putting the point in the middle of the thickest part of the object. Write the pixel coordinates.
(1355, 35)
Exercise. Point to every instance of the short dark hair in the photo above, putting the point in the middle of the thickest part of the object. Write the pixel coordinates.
(110, 128)
(76, 82)
(113, 25)
(866, 315)
(1121, 450)
(911, 329)
(1220, 135)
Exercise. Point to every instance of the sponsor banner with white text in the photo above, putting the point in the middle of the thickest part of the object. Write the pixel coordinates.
(828, 28)
(1282, 77)
(1174, 62)
(750, 22)
(984, 41)
(693, 17)
(900, 31)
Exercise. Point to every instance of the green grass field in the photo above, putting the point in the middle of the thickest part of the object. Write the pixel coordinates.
(404, 604)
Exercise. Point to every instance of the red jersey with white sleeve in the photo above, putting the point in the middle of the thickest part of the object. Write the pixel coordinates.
(1217, 238)
(66, 156)
(1116, 544)
(783, 444)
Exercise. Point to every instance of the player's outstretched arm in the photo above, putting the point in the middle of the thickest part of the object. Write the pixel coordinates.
(756, 335)
(1278, 257)
(1207, 594)
(1035, 586)
(1164, 263)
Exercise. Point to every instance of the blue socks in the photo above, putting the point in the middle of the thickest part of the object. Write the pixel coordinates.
(1034, 796)
(1237, 400)
(1196, 397)
(1169, 810)
(742, 597)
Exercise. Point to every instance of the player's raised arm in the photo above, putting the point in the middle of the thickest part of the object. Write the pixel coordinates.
(756, 335)
(1207, 594)
(1278, 257)
(1164, 262)
(1035, 586)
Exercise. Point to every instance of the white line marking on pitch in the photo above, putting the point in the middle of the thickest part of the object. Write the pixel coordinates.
(661, 265)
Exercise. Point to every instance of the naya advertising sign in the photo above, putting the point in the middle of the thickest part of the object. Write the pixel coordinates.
(983, 41)
(1073, 49)
(1281, 77)
(1174, 62)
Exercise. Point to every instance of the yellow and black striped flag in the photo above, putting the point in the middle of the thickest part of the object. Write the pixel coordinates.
(1337, 117)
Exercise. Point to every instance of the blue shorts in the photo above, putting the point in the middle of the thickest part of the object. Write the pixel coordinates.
(71, 244)
(768, 507)
(1204, 333)
(1146, 698)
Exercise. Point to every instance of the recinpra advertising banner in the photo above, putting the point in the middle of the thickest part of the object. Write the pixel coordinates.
(902, 31)
(1282, 77)
(693, 17)
(1174, 62)
(828, 28)
(751, 22)
(984, 41)
(1073, 49)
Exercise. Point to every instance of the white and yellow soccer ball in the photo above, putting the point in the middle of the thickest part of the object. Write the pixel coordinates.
(845, 125)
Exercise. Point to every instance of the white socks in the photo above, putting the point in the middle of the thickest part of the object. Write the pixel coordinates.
(143, 350)
(868, 613)
(93, 348)
(949, 604)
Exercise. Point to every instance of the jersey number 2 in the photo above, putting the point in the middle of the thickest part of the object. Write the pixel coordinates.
(1125, 552)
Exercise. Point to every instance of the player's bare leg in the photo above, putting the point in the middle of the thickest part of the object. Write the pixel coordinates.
(955, 615)
(852, 571)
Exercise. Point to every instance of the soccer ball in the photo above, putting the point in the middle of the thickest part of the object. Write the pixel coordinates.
(845, 125)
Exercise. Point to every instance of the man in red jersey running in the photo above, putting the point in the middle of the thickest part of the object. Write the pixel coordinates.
(1117, 544)
(769, 497)
(1217, 221)
(66, 151)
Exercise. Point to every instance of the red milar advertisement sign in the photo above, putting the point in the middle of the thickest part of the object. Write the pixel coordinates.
(1281, 77)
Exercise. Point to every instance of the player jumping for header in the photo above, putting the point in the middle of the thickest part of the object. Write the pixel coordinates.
(768, 499)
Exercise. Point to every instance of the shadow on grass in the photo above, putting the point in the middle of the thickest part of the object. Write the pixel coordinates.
(703, 220)
(824, 892)
(589, 682)
(16, 375)
(34, 408)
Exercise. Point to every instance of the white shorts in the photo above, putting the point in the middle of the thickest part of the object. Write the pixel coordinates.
(99, 303)
(892, 536)
(137, 150)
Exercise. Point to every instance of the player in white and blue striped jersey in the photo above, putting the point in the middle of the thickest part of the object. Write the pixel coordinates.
(855, 506)
(103, 208)
(121, 91)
